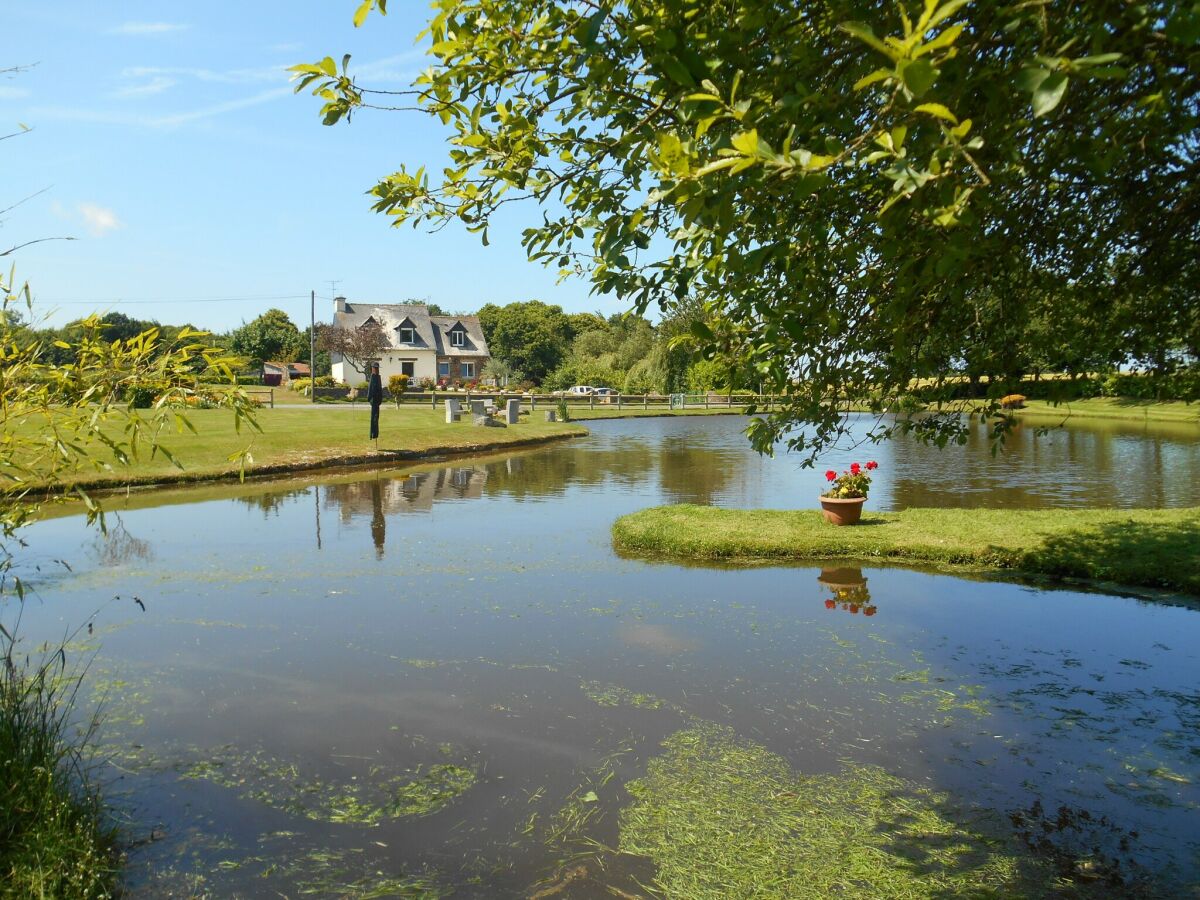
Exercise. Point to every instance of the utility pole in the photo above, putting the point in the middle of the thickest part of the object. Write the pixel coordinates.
(312, 364)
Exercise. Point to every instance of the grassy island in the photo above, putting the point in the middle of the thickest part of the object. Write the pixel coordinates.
(1158, 548)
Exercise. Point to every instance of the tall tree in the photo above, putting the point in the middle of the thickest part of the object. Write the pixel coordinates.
(845, 180)
(532, 337)
(271, 336)
(358, 346)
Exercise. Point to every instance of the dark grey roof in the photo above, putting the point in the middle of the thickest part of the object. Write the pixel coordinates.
(391, 317)
(432, 332)
(473, 345)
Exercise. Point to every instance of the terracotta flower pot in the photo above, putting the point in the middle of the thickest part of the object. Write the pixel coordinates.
(842, 511)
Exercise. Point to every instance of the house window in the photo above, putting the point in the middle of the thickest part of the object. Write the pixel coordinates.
(408, 367)
(444, 369)
(468, 370)
(458, 338)
(407, 336)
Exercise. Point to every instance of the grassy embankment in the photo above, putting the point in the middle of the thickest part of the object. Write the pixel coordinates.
(1158, 548)
(307, 438)
(1166, 411)
(54, 840)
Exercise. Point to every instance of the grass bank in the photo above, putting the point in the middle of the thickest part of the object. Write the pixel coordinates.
(306, 438)
(1158, 548)
(54, 841)
(1117, 408)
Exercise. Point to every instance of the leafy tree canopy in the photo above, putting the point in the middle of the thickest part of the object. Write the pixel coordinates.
(271, 336)
(860, 192)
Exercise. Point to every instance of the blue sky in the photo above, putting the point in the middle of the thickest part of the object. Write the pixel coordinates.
(168, 143)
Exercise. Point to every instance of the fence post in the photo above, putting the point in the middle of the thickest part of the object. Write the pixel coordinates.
(532, 402)
(618, 402)
(272, 398)
(706, 399)
(591, 401)
(645, 401)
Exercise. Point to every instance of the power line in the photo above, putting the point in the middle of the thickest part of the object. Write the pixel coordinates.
(112, 301)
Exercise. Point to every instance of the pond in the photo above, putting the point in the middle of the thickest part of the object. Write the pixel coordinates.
(441, 681)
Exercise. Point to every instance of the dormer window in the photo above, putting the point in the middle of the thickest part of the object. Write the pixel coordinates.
(407, 334)
(458, 337)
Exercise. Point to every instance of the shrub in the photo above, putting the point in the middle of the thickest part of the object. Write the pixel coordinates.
(564, 414)
(323, 381)
(428, 384)
(397, 385)
(142, 396)
(361, 386)
(301, 385)
(1012, 401)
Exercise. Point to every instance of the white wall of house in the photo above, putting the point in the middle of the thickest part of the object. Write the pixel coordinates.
(391, 362)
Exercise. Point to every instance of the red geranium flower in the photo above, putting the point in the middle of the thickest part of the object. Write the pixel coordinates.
(830, 475)
(872, 465)
(855, 468)
(854, 608)
(830, 604)
(869, 611)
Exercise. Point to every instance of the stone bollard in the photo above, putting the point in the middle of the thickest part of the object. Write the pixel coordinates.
(451, 411)
(512, 412)
(551, 416)
(478, 408)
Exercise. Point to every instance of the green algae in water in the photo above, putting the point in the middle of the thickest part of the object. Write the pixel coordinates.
(281, 785)
(605, 694)
(721, 817)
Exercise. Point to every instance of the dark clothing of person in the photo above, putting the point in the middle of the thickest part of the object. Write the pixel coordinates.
(375, 398)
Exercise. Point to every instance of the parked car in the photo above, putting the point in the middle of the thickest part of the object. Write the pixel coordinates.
(605, 392)
(579, 390)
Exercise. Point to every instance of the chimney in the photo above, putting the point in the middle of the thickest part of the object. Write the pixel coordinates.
(339, 305)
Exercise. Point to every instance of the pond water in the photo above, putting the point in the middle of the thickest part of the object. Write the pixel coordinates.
(441, 681)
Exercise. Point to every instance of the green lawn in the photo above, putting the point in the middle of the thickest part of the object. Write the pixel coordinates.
(1157, 548)
(1173, 411)
(305, 438)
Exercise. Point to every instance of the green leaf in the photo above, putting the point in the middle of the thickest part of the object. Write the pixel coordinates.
(918, 76)
(865, 34)
(1049, 93)
(676, 70)
(328, 66)
(877, 75)
(746, 142)
(360, 14)
(589, 797)
(937, 109)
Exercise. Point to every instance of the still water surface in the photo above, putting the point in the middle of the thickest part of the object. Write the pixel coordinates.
(441, 679)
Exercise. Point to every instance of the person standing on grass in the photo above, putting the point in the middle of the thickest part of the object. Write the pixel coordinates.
(375, 398)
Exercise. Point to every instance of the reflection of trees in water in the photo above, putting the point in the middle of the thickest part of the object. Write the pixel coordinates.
(691, 474)
(686, 472)
(550, 473)
(117, 547)
(272, 502)
(1096, 465)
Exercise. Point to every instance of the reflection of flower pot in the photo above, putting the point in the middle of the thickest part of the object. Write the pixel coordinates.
(842, 511)
(842, 578)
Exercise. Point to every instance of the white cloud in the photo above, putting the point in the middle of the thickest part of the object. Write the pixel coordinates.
(155, 85)
(98, 220)
(287, 47)
(229, 106)
(12, 93)
(144, 29)
(400, 69)
(226, 76)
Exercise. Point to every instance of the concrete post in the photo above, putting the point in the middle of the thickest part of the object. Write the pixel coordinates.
(513, 412)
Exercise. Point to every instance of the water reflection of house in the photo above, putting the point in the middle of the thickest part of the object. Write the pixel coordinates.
(415, 492)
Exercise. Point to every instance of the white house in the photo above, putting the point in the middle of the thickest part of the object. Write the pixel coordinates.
(442, 348)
